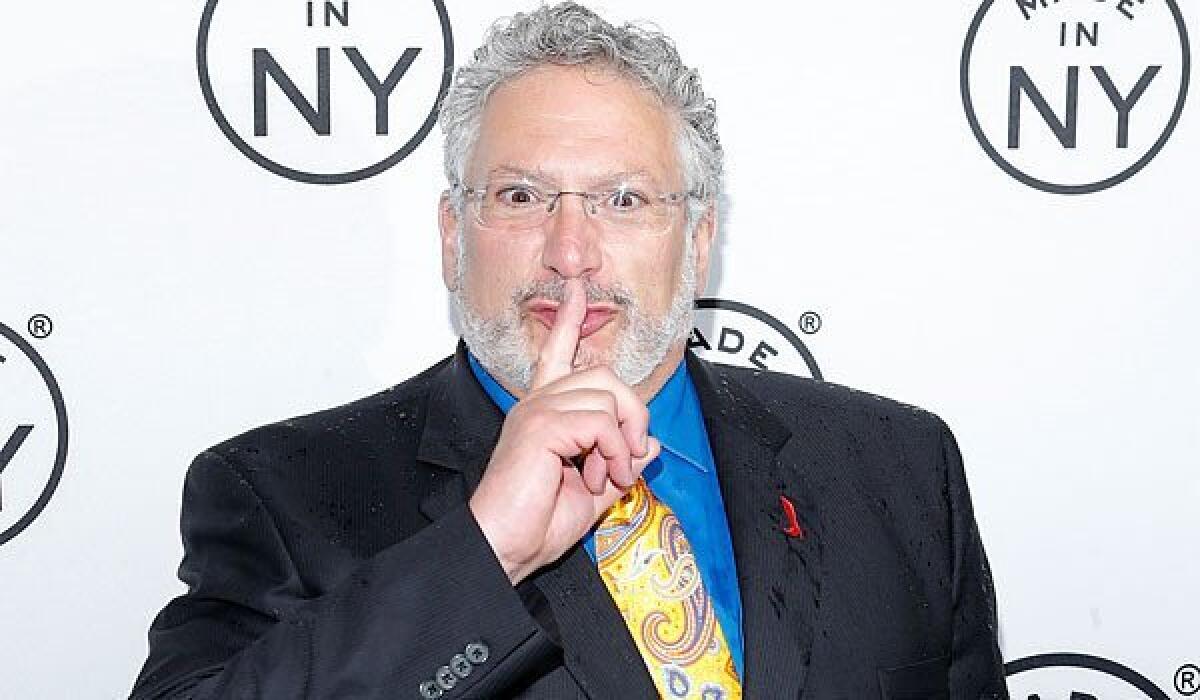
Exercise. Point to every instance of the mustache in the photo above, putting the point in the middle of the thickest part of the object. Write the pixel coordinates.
(555, 290)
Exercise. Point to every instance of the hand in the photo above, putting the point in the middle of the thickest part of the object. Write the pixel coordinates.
(532, 503)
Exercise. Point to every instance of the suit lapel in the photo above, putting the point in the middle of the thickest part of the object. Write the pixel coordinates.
(778, 576)
(598, 649)
(461, 429)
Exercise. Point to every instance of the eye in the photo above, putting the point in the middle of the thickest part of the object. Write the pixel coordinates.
(518, 196)
(626, 200)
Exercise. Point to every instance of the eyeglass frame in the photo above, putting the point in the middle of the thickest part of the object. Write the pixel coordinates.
(669, 198)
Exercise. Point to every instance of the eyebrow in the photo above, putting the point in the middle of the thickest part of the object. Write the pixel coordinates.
(543, 176)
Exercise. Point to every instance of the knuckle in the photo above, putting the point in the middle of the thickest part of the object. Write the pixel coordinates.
(601, 420)
(610, 401)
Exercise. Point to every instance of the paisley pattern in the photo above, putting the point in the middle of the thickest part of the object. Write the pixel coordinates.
(647, 564)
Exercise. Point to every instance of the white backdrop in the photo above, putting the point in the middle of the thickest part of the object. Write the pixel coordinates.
(194, 294)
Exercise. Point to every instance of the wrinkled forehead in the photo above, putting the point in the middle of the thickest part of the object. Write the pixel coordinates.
(577, 126)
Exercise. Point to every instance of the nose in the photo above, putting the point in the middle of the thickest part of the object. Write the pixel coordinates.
(572, 239)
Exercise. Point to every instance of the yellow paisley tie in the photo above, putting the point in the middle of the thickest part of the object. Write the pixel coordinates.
(648, 567)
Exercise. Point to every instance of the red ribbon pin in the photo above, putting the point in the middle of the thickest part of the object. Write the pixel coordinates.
(791, 526)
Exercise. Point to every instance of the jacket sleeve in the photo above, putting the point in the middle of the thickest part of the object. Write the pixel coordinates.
(976, 667)
(402, 620)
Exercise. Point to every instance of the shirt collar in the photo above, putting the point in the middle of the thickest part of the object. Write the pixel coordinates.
(675, 416)
(497, 393)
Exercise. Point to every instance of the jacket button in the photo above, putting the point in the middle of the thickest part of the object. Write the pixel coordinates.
(445, 678)
(460, 665)
(477, 652)
(430, 690)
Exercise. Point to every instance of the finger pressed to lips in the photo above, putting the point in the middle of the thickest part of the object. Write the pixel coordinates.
(558, 351)
(595, 317)
(606, 422)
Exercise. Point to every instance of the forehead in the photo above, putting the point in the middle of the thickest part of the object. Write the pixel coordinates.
(576, 124)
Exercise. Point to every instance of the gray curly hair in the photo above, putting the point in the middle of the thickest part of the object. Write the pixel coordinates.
(570, 34)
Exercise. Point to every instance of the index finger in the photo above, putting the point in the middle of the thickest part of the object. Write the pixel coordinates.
(557, 355)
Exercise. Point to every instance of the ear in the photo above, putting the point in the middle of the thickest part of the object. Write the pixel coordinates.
(706, 231)
(448, 223)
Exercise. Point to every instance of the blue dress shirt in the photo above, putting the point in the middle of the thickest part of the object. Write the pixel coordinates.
(684, 477)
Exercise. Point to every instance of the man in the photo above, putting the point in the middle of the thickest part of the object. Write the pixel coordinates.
(572, 506)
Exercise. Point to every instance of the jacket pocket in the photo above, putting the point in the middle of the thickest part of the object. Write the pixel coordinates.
(924, 680)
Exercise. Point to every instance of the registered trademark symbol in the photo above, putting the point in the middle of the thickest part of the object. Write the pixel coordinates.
(810, 322)
(1187, 679)
(40, 325)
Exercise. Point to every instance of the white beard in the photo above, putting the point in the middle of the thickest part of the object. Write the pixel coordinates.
(502, 347)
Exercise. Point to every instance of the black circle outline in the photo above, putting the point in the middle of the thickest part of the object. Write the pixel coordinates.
(1092, 663)
(1178, 672)
(788, 333)
(321, 178)
(60, 414)
(964, 88)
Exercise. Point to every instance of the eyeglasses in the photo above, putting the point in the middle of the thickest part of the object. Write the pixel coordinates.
(522, 205)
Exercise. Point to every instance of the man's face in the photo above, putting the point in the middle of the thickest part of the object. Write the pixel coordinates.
(580, 129)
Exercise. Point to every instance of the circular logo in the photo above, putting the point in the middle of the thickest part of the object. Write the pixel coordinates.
(733, 333)
(33, 434)
(1074, 96)
(1078, 677)
(325, 91)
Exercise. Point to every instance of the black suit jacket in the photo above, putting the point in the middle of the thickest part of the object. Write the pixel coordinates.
(333, 556)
